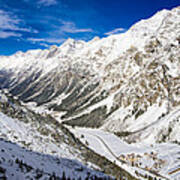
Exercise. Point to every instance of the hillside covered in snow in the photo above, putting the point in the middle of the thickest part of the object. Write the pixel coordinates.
(126, 84)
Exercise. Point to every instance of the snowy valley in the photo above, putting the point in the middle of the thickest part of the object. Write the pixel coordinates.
(104, 109)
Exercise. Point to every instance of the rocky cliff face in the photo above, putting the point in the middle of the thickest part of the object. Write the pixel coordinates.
(127, 83)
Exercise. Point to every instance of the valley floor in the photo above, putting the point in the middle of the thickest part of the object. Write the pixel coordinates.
(142, 160)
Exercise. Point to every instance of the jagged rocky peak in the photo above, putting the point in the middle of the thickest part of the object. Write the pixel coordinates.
(152, 24)
(72, 44)
(96, 38)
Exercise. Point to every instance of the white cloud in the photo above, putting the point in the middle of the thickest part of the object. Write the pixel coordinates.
(48, 40)
(4, 34)
(9, 24)
(70, 27)
(6, 22)
(47, 2)
(57, 36)
(115, 31)
(44, 44)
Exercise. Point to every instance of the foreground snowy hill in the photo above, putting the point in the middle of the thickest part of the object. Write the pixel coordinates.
(40, 135)
(127, 84)
(19, 163)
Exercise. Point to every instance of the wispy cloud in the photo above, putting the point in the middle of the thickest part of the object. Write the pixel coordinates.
(59, 34)
(4, 34)
(70, 27)
(6, 22)
(47, 40)
(10, 25)
(44, 44)
(115, 31)
(47, 2)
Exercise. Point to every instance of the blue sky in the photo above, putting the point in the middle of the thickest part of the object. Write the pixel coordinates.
(32, 24)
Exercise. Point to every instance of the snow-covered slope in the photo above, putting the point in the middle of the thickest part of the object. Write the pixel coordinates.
(19, 163)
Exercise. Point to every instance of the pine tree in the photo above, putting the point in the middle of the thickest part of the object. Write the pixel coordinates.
(63, 176)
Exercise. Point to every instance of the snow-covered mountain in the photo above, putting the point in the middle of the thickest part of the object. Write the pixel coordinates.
(127, 84)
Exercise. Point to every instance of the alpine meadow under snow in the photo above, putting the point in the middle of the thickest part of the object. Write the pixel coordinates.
(104, 109)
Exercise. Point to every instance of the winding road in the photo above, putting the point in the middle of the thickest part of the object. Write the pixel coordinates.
(157, 121)
(109, 150)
